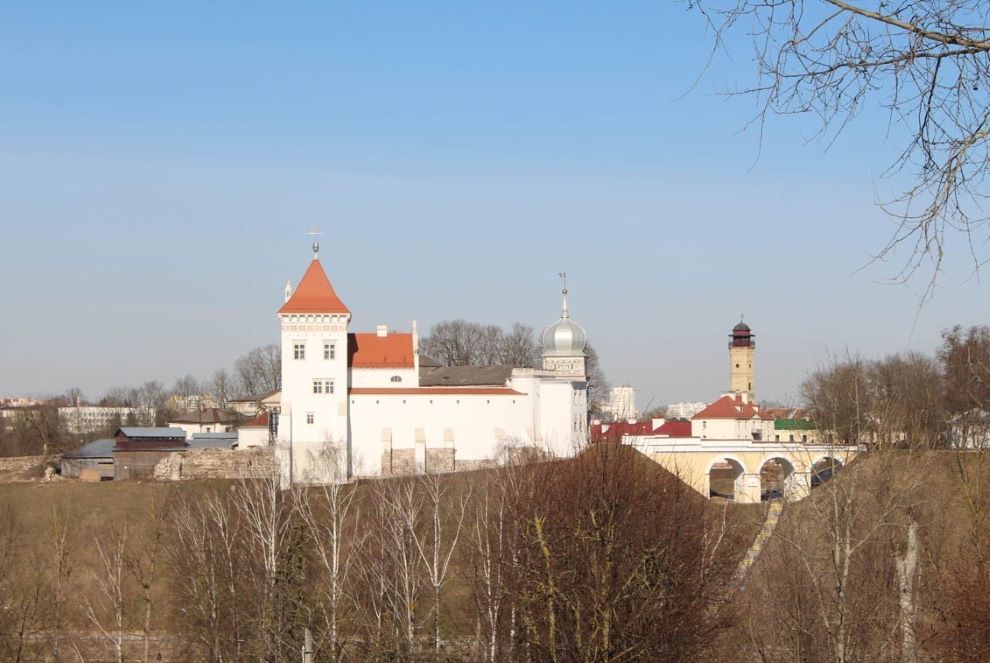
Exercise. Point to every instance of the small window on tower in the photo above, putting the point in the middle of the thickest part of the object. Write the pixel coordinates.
(309, 417)
(298, 350)
(396, 378)
(329, 351)
(737, 365)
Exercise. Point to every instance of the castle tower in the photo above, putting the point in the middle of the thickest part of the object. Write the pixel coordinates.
(313, 424)
(742, 349)
(563, 345)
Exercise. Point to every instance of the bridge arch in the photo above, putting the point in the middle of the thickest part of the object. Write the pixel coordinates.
(823, 469)
(776, 477)
(726, 476)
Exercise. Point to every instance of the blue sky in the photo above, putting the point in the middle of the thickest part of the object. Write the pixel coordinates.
(160, 164)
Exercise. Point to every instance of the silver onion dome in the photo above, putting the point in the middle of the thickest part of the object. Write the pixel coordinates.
(564, 338)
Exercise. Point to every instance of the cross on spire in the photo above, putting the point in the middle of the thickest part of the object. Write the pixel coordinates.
(314, 232)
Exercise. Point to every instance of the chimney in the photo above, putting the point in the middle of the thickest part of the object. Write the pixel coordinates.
(383, 330)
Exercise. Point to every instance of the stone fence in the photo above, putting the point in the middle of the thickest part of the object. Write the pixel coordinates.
(21, 463)
(216, 464)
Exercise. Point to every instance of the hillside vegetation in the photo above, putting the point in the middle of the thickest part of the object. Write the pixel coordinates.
(602, 557)
(886, 562)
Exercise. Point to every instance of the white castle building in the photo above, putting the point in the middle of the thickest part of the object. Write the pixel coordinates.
(368, 404)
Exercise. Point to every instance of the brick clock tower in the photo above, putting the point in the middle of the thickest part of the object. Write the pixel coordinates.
(742, 348)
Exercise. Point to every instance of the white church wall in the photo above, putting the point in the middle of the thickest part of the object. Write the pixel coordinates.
(559, 429)
(480, 424)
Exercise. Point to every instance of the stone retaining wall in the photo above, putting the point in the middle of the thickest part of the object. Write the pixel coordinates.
(216, 464)
(21, 463)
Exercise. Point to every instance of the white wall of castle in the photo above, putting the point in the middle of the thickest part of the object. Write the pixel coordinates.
(547, 412)
(300, 405)
(383, 378)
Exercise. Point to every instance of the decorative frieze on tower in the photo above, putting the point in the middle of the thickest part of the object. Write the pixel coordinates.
(742, 351)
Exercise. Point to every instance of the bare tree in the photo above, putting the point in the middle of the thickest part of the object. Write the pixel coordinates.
(489, 533)
(22, 588)
(327, 520)
(965, 358)
(436, 543)
(222, 387)
(925, 61)
(142, 563)
(207, 556)
(401, 506)
(62, 549)
(186, 386)
(266, 512)
(615, 561)
(110, 578)
(260, 370)
(455, 343)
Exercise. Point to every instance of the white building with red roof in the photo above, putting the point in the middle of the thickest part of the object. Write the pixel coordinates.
(367, 404)
(732, 417)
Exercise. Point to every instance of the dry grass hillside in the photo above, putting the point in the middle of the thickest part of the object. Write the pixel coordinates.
(886, 562)
(603, 557)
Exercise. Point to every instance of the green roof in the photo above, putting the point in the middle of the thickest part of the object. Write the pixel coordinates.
(793, 424)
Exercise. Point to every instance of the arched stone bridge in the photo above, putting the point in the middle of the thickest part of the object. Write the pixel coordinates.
(746, 471)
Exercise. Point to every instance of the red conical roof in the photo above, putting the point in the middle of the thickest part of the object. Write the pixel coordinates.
(314, 294)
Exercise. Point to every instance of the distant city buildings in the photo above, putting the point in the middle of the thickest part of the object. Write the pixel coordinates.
(83, 419)
(621, 404)
(79, 419)
(685, 410)
(16, 402)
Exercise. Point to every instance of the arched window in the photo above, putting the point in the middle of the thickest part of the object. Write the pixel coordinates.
(396, 378)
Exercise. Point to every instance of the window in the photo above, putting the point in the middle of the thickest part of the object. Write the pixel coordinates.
(309, 417)
(396, 378)
(298, 350)
(329, 351)
(322, 386)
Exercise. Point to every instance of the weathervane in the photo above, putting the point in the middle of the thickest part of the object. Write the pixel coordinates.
(315, 232)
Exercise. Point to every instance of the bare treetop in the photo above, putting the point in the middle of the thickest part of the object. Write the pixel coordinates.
(927, 62)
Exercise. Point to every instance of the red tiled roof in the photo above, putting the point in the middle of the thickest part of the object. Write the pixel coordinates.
(261, 421)
(435, 391)
(374, 351)
(728, 407)
(615, 431)
(314, 294)
(675, 428)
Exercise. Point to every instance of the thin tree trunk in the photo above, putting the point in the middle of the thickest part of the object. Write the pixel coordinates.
(906, 568)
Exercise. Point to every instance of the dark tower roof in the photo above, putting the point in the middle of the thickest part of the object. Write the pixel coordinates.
(742, 336)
